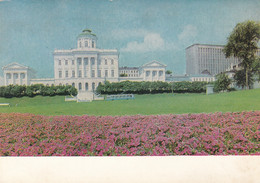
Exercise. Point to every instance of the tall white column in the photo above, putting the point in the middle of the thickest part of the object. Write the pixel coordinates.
(89, 66)
(82, 68)
(96, 64)
(76, 68)
(13, 78)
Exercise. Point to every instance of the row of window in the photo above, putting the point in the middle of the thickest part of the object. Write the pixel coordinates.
(203, 79)
(93, 74)
(86, 61)
(9, 76)
(87, 44)
(128, 71)
(86, 86)
(154, 73)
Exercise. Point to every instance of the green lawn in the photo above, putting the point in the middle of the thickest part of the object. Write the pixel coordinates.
(143, 104)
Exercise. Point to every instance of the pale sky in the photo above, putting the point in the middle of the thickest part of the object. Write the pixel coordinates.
(142, 30)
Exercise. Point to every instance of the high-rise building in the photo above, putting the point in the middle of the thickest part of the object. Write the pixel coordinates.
(204, 58)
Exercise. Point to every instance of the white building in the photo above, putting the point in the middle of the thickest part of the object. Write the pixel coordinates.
(152, 71)
(15, 73)
(84, 67)
(211, 58)
(132, 72)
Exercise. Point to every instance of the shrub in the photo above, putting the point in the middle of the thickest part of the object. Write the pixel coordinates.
(146, 87)
(36, 89)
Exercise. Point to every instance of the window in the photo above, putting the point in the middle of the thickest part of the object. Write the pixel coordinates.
(105, 61)
(92, 61)
(106, 73)
(160, 73)
(72, 62)
(93, 86)
(86, 61)
(86, 43)
(15, 76)
(147, 73)
(93, 73)
(154, 73)
(59, 62)
(67, 74)
(60, 74)
(99, 73)
(99, 61)
(22, 75)
(112, 73)
(73, 74)
(112, 62)
(86, 86)
(80, 44)
(8, 76)
(66, 62)
(79, 61)
(80, 86)
(93, 44)
(80, 74)
(73, 84)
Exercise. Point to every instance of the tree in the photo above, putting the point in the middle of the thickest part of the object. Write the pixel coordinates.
(168, 72)
(222, 83)
(242, 43)
(240, 80)
(123, 75)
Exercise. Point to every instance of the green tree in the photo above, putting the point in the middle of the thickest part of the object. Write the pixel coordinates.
(242, 43)
(168, 72)
(123, 75)
(240, 80)
(222, 83)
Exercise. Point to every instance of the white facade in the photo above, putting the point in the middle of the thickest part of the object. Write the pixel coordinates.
(132, 72)
(86, 66)
(153, 71)
(203, 57)
(15, 73)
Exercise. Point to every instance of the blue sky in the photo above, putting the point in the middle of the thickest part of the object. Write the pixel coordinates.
(142, 30)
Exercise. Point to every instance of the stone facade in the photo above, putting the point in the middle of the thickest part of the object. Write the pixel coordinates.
(15, 73)
(210, 58)
(132, 72)
(85, 67)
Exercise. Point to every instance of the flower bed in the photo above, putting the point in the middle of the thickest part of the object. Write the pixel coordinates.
(187, 134)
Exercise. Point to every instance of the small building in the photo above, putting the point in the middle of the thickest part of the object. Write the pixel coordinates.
(17, 74)
(153, 71)
(131, 72)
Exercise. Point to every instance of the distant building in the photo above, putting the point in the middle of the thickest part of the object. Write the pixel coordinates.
(208, 58)
(1, 81)
(191, 78)
(129, 71)
(15, 73)
(85, 67)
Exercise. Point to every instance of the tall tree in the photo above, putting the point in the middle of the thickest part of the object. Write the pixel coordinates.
(222, 82)
(242, 43)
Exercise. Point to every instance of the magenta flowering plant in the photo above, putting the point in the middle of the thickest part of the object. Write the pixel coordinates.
(155, 135)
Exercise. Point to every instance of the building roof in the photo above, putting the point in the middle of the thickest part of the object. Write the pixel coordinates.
(87, 33)
(16, 66)
(154, 63)
(211, 45)
(128, 68)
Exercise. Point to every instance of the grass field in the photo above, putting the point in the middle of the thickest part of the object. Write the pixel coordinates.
(142, 104)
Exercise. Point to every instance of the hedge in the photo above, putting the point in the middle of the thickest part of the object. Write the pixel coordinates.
(146, 87)
(36, 89)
